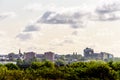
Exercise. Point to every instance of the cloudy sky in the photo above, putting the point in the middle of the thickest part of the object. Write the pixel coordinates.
(61, 26)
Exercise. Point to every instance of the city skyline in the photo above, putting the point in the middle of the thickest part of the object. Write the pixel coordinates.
(61, 26)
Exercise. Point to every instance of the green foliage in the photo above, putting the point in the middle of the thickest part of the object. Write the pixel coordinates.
(93, 70)
(100, 71)
(60, 63)
(36, 65)
(78, 65)
(11, 66)
(1, 65)
(48, 64)
(116, 66)
(19, 62)
(3, 71)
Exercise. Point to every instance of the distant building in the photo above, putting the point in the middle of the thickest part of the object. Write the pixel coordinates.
(89, 54)
(105, 56)
(4, 58)
(20, 55)
(28, 56)
(49, 56)
(40, 57)
(12, 56)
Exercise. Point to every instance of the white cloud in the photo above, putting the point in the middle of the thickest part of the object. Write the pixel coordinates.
(31, 36)
(108, 6)
(110, 17)
(77, 17)
(24, 36)
(30, 32)
(107, 10)
(74, 16)
(64, 18)
(33, 7)
(7, 15)
(31, 28)
(80, 24)
(106, 17)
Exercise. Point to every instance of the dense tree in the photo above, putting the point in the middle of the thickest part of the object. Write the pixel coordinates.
(11, 66)
(60, 63)
(93, 70)
(36, 65)
(48, 64)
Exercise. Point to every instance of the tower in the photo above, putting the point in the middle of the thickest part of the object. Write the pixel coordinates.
(49, 56)
(20, 54)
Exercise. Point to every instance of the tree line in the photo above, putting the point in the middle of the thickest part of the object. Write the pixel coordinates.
(46, 70)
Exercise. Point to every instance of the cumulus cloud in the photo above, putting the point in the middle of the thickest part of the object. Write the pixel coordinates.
(7, 15)
(109, 17)
(108, 10)
(33, 7)
(30, 32)
(108, 6)
(76, 18)
(55, 18)
(79, 24)
(31, 28)
(24, 36)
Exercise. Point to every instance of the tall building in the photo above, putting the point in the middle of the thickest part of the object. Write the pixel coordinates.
(49, 56)
(20, 55)
(29, 56)
(89, 54)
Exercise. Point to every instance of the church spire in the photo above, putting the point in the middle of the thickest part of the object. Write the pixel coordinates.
(20, 54)
(19, 51)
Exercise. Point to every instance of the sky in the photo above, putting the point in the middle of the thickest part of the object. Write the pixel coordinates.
(60, 26)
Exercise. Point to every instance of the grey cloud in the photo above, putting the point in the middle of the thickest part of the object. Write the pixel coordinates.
(24, 36)
(109, 17)
(106, 17)
(80, 24)
(56, 18)
(108, 7)
(75, 19)
(108, 11)
(28, 32)
(31, 28)
(44, 17)
(6, 15)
